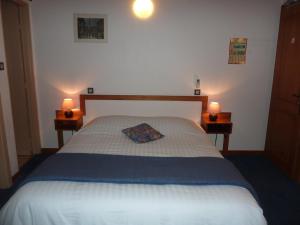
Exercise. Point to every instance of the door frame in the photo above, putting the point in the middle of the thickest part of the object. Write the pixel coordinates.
(5, 173)
(29, 73)
(26, 42)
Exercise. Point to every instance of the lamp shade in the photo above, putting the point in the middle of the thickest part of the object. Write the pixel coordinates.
(214, 108)
(67, 104)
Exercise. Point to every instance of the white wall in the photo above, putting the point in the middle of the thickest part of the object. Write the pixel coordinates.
(161, 56)
(6, 105)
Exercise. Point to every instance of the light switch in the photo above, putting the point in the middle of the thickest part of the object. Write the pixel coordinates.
(90, 90)
(1, 65)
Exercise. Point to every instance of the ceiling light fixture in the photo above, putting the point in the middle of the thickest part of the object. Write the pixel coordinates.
(143, 9)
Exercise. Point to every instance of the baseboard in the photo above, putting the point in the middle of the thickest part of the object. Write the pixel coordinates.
(229, 152)
(15, 177)
(243, 153)
(23, 159)
(49, 150)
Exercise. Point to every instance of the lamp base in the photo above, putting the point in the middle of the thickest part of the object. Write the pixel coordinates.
(69, 114)
(213, 117)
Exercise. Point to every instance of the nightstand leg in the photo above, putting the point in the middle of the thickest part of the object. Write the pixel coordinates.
(60, 138)
(226, 143)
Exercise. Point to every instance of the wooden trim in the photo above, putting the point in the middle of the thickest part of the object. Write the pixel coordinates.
(5, 173)
(243, 153)
(49, 150)
(23, 160)
(16, 176)
(26, 41)
(223, 117)
(59, 114)
(84, 98)
(43, 151)
(21, 2)
(230, 152)
(31, 114)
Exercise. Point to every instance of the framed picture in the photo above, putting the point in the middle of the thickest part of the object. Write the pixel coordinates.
(90, 27)
(237, 51)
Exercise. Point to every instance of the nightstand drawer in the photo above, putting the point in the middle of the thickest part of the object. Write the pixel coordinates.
(68, 124)
(219, 128)
(222, 125)
(65, 125)
(62, 123)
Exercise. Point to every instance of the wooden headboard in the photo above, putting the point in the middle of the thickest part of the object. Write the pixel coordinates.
(202, 99)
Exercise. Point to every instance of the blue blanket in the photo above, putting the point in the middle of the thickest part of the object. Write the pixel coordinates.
(139, 170)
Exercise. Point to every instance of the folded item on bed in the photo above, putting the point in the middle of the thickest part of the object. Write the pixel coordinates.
(81, 167)
(142, 133)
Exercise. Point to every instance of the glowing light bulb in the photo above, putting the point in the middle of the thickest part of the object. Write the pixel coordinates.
(143, 9)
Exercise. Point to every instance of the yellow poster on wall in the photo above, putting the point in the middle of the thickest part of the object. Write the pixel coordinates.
(237, 51)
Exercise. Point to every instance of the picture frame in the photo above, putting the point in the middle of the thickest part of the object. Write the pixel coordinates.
(237, 50)
(90, 28)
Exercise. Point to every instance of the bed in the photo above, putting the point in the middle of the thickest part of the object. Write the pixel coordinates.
(66, 202)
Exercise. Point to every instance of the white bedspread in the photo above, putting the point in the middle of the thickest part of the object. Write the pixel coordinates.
(183, 138)
(70, 203)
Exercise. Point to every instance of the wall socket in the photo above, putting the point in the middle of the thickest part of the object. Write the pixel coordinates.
(90, 90)
(1, 65)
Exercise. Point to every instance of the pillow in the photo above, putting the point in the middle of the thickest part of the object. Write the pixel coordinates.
(142, 133)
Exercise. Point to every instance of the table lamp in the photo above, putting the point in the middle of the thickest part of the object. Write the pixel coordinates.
(67, 107)
(213, 110)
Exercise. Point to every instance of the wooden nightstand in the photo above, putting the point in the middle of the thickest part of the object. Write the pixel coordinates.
(62, 123)
(223, 125)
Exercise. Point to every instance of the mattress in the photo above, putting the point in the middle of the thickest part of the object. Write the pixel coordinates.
(66, 203)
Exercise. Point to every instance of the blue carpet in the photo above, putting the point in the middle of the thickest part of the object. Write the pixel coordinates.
(5, 194)
(280, 197)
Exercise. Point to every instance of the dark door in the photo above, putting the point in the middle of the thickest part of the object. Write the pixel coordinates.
(282, 143)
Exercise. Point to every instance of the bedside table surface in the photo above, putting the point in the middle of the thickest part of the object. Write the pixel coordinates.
(63, 123)
(61, 116)
(223, 125)
(223, 117)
